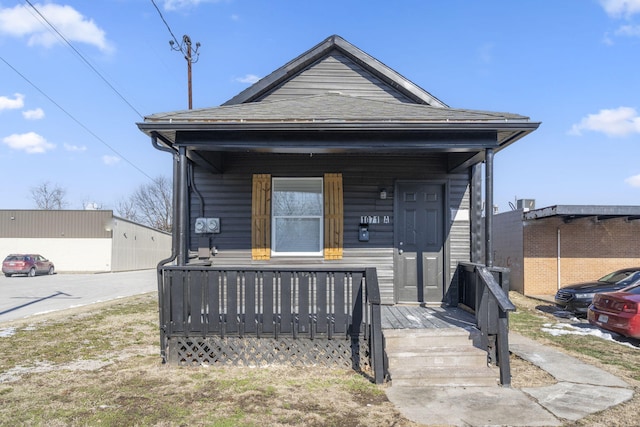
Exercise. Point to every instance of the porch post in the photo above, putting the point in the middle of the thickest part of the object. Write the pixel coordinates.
(488, 208)
(477, 235)
(182, 221)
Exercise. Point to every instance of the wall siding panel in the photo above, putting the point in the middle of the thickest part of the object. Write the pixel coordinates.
(228, 196)
(336, 73)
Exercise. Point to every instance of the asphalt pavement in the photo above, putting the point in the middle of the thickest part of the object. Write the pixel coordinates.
(22, 296)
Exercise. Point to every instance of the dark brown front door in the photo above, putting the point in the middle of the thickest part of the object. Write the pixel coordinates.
(419, 237)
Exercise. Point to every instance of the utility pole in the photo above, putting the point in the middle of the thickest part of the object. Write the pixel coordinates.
(189, 54)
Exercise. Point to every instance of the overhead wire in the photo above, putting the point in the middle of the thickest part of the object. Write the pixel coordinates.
(165, 22)
(71, 116)
(82, 57)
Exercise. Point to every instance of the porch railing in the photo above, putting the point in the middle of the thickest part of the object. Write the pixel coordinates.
(275, 303)
(485, 291)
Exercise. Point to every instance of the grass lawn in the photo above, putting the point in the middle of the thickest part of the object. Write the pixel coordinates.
(100, 365)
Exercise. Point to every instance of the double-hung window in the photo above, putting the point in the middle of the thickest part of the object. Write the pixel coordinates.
(296, 215)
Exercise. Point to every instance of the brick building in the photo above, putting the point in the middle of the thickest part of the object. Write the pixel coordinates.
(555, 246)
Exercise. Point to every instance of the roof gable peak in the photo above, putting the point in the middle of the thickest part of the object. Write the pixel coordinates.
(334, 45)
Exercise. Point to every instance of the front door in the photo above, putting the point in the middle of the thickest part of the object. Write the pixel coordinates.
(419, 237)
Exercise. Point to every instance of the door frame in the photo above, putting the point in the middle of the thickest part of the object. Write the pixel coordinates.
(446, 227)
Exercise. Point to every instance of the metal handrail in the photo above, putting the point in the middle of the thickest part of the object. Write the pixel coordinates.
(490, 302)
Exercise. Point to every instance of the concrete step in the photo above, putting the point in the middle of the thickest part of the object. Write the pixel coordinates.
(452, 356)
(468, 377)
(437, 357)
(415, 339)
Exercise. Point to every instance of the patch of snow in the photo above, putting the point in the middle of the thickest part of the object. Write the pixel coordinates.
(7, 332)
(586, 329)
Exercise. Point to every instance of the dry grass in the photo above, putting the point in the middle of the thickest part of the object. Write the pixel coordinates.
(99, 365)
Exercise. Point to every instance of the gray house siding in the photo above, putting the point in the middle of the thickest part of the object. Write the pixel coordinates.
(228, 196)
(336, 72)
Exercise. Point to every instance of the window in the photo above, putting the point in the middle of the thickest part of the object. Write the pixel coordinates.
(298, 216)
(296, 207)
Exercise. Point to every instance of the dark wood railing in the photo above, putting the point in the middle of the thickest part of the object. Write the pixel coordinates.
(486, 291)
(272, 302)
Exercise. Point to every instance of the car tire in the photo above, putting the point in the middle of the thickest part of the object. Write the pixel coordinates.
(50, 272)
(32, 272)
(7, 274)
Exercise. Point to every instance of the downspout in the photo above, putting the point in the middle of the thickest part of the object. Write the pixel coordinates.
(558, 260)
(174, 249)
(183, 220)
(488, 208)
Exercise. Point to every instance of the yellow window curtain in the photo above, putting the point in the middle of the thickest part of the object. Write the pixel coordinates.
(333, 216)
(261, 217)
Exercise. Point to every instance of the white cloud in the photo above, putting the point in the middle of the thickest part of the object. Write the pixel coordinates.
(629, 31)
(30, 142)
(621, 121)
(618, 8)
(184, 4)
(633, 181)
(12, 104)
(36, 114)
(22, 21)
(70, 147)
(110, 160)
(249, 78)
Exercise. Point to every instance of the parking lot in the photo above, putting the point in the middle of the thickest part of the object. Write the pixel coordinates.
(22, 296)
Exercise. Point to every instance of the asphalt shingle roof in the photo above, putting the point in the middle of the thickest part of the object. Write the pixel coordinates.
(330, 107)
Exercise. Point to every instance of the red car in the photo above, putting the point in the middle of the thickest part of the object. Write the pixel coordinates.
(29, 264)
(617, 311)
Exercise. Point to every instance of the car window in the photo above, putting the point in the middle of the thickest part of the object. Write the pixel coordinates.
(632, 278)
(635, 289)
(617, 276)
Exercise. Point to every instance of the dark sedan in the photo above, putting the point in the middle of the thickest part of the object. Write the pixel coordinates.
(29, 264)
(576, 298)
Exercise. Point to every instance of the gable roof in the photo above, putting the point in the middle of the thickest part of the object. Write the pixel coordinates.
(360, 61)
(336, 89)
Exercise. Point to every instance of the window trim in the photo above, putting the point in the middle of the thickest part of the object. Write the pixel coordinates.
(319, 217)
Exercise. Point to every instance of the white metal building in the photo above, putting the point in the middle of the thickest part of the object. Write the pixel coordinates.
(83, 240)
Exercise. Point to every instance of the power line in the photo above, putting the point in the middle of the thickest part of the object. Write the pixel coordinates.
(165, 22)
(74, 119)
(184, 47)
(83, 58)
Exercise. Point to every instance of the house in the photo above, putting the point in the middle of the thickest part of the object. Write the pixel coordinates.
(551, 247)
(83, 241)
(333, 161)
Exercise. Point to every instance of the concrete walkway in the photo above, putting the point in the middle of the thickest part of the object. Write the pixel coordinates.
(581, 390)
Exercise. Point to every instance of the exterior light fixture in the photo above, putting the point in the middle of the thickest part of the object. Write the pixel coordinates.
(383, 194)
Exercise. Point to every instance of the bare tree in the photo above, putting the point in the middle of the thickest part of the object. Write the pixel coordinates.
(151, 204)
(49, 196)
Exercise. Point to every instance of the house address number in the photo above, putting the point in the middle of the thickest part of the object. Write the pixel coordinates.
(375, 219)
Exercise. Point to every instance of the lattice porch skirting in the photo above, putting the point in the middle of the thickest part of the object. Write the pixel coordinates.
(251, 351)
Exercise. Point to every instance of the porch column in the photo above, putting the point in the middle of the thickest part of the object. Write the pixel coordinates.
(182, 222)
(488, 208)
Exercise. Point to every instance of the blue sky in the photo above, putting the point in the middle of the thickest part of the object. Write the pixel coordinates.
(68, 110)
